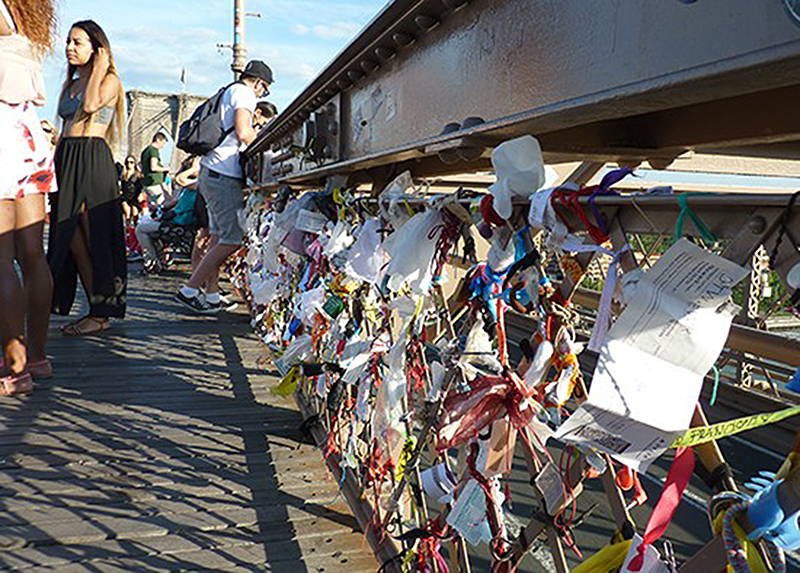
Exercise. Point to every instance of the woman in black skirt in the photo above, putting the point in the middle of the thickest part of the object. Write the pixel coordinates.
(86, 233)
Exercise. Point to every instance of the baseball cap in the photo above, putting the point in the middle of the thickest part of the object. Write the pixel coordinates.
(258, 69)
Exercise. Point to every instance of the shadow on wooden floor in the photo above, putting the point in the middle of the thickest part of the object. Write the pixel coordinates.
(157, 446)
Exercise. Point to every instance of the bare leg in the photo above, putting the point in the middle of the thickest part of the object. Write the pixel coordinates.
(208, 269)
(12, 318)
(83, 260)
(127, 213)
(80, 253)
(200, 247)
(36, 273)
(212, 282)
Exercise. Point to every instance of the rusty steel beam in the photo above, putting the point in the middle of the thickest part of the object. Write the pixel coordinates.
(740, 338)
(449, 79)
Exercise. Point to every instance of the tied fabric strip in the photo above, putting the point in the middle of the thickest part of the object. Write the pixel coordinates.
(469, 413)
(603, 321)
(568, 198)
(604, 189)
(705, 232)
(429, 549)
(680, 472)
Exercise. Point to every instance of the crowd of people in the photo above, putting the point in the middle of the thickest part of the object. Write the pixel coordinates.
(101, 213)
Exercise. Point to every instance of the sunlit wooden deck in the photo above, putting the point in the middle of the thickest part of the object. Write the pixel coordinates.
(157, 446)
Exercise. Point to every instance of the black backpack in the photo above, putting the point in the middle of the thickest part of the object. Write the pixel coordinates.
(203, 131)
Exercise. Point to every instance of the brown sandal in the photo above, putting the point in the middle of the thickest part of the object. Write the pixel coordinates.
(41, 369)
(86, 325)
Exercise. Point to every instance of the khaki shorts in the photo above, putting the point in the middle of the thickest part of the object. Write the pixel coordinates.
(224, 198)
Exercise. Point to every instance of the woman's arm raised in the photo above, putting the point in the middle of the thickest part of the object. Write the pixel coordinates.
(102, 88)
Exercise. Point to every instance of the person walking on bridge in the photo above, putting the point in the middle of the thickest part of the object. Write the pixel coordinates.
(221, 183)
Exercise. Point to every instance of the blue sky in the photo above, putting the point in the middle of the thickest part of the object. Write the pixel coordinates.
(153, 40)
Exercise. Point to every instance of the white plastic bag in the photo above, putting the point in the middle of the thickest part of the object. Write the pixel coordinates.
(519, 167)
(478, 348)
(299, 350)
(543, 216)
(308, 304)
(412, 248)
(540, 364)
(367, 256)
(263, 289)
(389, 201)
(339, 240)
(499, 258)
(387, 424)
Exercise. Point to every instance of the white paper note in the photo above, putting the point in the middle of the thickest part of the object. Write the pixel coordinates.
(651, 367)
(468, 515)
(310, 221)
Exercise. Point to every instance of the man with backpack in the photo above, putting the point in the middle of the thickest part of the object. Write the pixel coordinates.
(221, 128)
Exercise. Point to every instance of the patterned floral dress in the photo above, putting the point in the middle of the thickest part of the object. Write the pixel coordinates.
(26, 160)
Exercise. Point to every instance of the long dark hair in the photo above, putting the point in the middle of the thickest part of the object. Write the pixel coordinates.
(99, 39)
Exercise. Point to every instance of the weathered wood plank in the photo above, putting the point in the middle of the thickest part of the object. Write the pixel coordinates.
(172, 546)
(158, 445)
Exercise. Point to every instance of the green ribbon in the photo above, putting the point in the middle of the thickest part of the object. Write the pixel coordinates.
(683, 200)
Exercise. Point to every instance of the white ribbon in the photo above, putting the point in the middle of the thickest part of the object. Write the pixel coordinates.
(603, 321)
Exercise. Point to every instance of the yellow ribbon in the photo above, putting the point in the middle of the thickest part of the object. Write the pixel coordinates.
(750, 550)
(288, 385)
(609, 558)
(405, 566)
(405, 455)
(701, 435)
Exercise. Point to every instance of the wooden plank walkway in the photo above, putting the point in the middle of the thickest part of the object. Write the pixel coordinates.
(157, 446)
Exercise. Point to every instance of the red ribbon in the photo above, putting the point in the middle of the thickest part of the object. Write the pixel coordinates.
(490, 216)
(467, 414)
(429, 549)
(568, 199)
(677, 479)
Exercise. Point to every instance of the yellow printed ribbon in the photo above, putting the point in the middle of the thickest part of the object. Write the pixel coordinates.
(405, 456)
(701, 435)
(288, 385)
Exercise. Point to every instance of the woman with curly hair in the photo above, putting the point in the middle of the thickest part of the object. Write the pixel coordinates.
(26, 176)
(86, 232)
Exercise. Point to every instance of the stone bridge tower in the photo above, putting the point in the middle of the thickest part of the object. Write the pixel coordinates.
(149, 113)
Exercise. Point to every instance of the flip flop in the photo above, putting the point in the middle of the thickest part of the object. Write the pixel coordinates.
(84, 326)
(13, 384)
